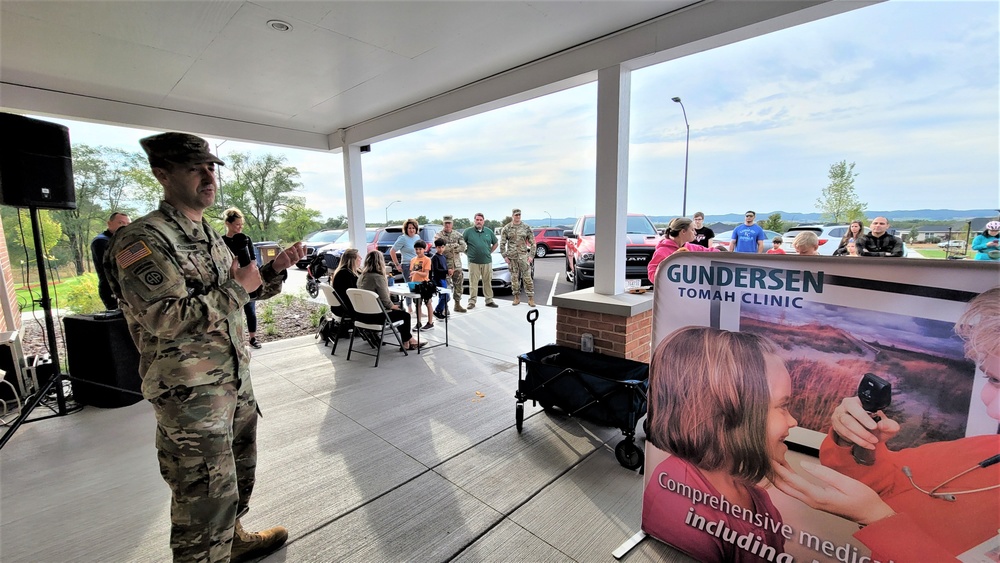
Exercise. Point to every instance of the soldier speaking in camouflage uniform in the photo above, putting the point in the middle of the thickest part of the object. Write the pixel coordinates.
(454, 246)
(182, 292)
(517, 245)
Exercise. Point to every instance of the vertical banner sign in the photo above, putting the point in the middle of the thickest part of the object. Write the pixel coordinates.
(824, 409)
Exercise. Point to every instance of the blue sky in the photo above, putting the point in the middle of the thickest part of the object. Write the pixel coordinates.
(906, 90)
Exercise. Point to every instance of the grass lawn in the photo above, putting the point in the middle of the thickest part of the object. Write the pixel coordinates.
(937, 252)
(57, 291)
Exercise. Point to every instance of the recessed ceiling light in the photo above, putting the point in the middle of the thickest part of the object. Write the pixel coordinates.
(279, 25)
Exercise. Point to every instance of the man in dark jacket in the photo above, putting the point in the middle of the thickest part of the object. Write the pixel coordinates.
(879, 242)
(98, 247)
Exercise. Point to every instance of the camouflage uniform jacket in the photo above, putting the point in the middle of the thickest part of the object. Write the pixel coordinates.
(454, 247)
(184, 311)
(517, 241)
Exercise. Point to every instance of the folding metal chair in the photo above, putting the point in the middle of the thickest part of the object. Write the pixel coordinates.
(338, 310)
(368, 306)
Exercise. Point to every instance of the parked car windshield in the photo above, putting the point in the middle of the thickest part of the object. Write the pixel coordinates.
(325, 236)
(636, 225)
(388, 237)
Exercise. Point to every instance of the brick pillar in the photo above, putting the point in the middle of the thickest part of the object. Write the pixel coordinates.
(9, 308)
(614, 335)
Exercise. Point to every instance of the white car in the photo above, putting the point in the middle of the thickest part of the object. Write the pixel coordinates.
(501, 272)
(955, 243)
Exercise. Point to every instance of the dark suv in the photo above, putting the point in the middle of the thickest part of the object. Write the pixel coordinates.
(549, 240)
(388, 237)
(641, 241)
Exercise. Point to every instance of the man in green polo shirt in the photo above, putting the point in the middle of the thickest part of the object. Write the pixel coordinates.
(480, 242)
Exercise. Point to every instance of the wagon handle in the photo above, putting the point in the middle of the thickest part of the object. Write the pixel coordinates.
(532, 316)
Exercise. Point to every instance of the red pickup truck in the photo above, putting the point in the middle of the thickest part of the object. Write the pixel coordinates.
(642, 238)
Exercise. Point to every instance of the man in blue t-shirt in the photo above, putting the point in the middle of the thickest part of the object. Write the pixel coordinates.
(748, 237)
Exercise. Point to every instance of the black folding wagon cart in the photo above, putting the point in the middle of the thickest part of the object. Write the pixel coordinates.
(602, 389)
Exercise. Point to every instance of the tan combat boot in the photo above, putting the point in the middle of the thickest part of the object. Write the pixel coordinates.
(531, 301)
(251, 545)
(517, 299)
(458, 307)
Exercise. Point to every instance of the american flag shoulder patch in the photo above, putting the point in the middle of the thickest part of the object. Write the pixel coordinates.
(132, 254)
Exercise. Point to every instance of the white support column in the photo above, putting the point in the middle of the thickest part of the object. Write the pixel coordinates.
(354, 190)
(613, 96)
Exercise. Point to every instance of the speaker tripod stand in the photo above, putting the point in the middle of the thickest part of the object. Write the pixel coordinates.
(42, 391)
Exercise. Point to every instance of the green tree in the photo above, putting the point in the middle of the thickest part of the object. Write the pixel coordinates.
(146, 192)
(103, 177)
(338, 222)
(21, 240)
(913, 235)
(462, 223)
(296, 222)
(262, 188)
(774, 223)
(838, 202)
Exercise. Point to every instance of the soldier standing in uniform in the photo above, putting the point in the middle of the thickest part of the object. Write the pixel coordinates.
(517, 246)
(454, 246)
(183, 292)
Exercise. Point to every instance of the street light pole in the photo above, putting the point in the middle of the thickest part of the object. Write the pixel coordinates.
(387, 211)
(218, 174)
(687, 147)
(550, 217)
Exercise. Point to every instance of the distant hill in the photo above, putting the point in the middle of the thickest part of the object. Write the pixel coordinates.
(943, 215)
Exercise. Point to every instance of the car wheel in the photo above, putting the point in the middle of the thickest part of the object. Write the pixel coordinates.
(541, 251)
(569, 278)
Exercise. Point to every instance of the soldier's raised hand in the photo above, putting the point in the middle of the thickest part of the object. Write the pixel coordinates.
(289, 256)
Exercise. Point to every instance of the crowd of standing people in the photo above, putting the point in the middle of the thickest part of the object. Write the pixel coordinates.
(683, 234)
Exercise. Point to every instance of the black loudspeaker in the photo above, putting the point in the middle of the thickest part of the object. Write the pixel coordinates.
(36, 164)
(101, 350)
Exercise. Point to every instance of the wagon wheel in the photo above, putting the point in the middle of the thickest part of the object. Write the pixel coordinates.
(547, 407)
(629, 455)
(519, 416)
(645, 426)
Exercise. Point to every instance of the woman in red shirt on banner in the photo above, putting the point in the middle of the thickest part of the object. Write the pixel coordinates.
(944, 496)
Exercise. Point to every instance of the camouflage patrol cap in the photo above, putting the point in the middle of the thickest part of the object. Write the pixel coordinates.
(178, 148)
(448, 219)
(515, 211)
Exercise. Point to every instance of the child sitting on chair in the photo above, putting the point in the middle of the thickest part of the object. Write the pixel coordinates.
(420, 271)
